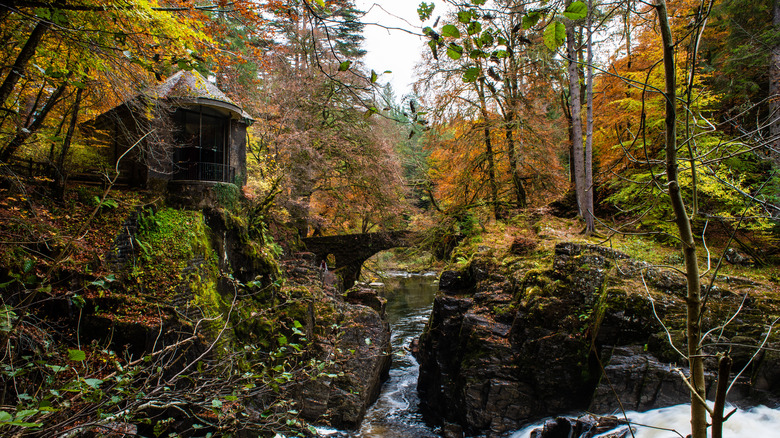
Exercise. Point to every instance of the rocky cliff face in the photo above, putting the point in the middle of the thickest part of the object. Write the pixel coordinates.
(352, 339)
(502, 349)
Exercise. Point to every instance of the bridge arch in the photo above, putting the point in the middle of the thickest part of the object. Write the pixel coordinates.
(352, 250)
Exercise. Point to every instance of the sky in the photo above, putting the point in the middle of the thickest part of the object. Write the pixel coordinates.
(394, 50)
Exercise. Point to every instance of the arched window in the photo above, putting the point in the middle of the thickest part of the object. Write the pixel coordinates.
(202, 139)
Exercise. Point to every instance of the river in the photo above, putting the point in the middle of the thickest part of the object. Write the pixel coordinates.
(674, 422)
(395, 413)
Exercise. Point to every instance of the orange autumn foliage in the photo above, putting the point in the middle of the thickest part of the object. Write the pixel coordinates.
(629, 120)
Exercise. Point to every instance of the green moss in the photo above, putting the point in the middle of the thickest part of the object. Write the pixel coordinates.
(536, 276)
(228, 195)
(207, 297)
(533, 292)
(596, 316)
(505, 313)
(658, 345)
(299, 292)
(168, 241)
(256, 243)
(262, 258)
(253, 327)
(172, 234)
(535, 284)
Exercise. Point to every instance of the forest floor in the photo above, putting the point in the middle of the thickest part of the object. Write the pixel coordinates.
(546, 230)
(34, 228)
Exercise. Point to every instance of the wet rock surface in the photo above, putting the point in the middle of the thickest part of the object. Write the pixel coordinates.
(353, 341)
(642, 381)
(501, 350)
(587, 426)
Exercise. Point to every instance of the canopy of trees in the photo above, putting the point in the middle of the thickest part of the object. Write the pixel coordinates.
(513, 110)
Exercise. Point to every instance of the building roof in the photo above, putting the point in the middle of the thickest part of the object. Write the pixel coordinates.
(191, 86)
(184, 87)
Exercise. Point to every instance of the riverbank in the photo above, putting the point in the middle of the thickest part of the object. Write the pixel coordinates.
(143, 318)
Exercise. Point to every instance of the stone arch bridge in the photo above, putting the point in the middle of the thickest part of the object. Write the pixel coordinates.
(351, 250)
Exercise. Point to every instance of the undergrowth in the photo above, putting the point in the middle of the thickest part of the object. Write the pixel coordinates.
(65, 372)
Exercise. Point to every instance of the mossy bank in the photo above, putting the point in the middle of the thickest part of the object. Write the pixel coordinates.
(184, 322)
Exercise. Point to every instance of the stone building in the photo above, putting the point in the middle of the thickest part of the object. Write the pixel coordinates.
(184, 133)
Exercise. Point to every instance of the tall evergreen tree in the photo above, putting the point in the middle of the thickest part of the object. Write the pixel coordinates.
(349, 37)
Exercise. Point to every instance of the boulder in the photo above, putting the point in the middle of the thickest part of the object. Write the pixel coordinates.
(366, 296)
(359, 361)
(587, 426)
(456, 282)
(738, 258)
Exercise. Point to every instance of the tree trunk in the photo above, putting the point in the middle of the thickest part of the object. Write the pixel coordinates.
(724, 370)
(21, 60)
(489, 156)
(627, 30)
(511, 123)
(23, 134)
(774, 90)
(517, 181)
(570, 128)
(590, 225)
(693, 301)
(62, 173)
(575, 105)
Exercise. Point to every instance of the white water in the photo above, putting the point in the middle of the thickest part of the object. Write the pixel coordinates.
(674, 421)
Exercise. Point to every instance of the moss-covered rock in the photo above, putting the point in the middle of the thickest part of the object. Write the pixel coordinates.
(350, 336)
(509, 349)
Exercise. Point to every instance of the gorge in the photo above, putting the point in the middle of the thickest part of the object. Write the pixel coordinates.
(503, 348)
